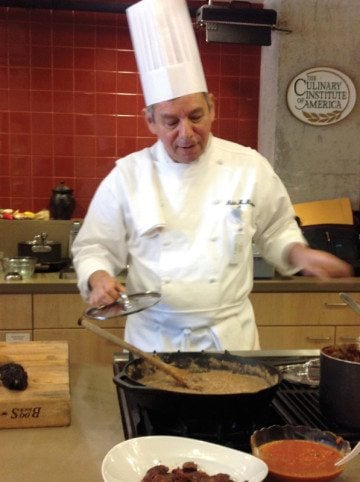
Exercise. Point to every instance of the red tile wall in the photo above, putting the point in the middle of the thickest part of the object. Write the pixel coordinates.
(70, 101)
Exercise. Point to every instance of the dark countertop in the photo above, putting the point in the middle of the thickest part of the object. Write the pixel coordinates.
(305, 283)
(52, 283)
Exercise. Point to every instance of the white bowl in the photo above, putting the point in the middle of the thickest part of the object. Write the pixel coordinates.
(129, 461)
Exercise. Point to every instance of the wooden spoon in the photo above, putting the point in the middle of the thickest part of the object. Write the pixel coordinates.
(178, 374)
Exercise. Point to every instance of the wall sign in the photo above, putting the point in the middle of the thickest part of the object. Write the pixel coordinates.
(321, 96)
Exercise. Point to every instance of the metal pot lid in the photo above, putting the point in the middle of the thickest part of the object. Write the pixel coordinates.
(125, 305)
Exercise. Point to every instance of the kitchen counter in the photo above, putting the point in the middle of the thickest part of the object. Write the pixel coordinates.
(75, 453)
(52, 283)
(39, 283)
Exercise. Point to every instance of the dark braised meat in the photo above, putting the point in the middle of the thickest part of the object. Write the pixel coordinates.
(350, 352)
(13, 376)
(187, 473)
(157, 470)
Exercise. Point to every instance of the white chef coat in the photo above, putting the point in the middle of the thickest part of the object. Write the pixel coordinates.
(186, 231)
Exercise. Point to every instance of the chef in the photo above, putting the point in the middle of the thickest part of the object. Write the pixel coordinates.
(182, 214)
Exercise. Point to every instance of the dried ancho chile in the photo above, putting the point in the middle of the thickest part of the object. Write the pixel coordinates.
(13, 376)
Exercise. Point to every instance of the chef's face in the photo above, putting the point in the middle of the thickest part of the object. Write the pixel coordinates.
(183, 125)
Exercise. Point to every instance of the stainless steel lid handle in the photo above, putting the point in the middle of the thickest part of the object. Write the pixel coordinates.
(125, 301)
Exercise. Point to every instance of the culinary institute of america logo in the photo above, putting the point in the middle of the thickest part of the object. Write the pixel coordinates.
(321, 96)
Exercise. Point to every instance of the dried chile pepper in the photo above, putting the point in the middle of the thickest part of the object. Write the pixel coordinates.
(13, 376)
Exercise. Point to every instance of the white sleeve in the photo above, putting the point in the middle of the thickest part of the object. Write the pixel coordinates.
(100, 243)
(277, 226)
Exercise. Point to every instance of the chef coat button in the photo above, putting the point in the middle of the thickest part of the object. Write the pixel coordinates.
(212, 280)
(167, 243)
(166, 280)
(187, 331)
(220, 162)
(216, 201)
(213, 239)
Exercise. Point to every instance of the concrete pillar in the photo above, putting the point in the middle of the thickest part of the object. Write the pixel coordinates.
(314, 162)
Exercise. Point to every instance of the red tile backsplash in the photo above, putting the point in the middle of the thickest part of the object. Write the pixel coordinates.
(20, 144)
(42, 168)
(41, 56)
(21, 122)
(4, 122)
(70, 101)
(41, 123)
(4, 167)
(62, 79)
(18, 78)
(18, 100)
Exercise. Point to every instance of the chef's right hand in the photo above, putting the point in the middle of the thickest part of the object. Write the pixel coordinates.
(104, 288)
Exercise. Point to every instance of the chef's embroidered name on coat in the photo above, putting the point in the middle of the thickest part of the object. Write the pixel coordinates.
(240, 202)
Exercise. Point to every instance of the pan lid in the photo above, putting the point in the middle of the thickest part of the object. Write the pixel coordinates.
(125, 305)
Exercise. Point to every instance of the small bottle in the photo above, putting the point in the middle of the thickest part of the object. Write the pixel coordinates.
(75, 228)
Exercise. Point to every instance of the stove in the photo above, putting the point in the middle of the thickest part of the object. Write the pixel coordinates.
(294, 404)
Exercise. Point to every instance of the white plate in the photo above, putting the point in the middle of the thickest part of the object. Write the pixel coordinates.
(128, 461)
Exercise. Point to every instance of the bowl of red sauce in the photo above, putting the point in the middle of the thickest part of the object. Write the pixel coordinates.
(299, 453)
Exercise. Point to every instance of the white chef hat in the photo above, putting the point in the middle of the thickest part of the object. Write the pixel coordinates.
(166, 51)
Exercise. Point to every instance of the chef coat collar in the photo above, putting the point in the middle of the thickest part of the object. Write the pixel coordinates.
(160, 154)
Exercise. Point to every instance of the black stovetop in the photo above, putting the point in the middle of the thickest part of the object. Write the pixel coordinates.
(294, 404)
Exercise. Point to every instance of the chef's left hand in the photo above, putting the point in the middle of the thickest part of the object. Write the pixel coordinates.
(321, 264)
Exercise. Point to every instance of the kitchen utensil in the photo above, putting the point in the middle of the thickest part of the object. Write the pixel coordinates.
(339, 395)
(190, 412)
(24, 265)
(307, 373)
(355, 451)
(42, 248)
(351, 302)
(177, 374)
(125, 305)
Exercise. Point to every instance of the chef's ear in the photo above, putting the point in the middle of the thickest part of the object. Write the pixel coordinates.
(149, 116)
(211, 104)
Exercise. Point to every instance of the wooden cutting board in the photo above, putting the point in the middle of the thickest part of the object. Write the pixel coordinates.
(46, 400)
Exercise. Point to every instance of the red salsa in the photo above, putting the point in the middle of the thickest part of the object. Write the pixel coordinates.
(303, 460)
